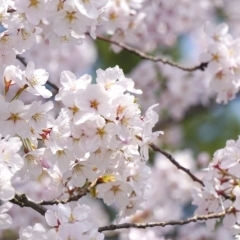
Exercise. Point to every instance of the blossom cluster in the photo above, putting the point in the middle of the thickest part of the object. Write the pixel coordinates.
(134, 22)
(67, 223)
(221, 191)
(57, 21)
(10, 163)
(173, 184)
(99, 141)
(223, 62)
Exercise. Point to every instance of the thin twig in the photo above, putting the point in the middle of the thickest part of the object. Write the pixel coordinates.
(70, 199)
(171, 158)
(54, 86)
(163, 224)
(143, 55)
(23, 61)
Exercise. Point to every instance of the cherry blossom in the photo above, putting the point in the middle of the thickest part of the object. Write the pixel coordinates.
(33, 10)
(35, 79)
(72, 222)
(13, 119)
(220, 182)
(33, 165)
(114, 191)
(94, 99)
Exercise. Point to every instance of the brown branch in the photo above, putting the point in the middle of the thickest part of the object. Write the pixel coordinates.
(143, 55)
(70, 199)
(163, 224)
(171, 158)
(23, 201)
(11, 10)
(23, 61)
(54, 86)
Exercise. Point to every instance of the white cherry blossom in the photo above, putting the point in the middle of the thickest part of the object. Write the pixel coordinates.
(95, 100)
(114, 192)
(33, 164)
(39, 117)
(13, 119)
(70, 19)
(90, 8)
(33, 10)
(35, 79)
(69, 82)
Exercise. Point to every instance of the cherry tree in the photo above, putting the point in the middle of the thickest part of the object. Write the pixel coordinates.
(94, 153)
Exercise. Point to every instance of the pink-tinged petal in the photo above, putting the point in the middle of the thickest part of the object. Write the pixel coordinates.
(29, 71)
(109, 198)
(51, 218)
(63, 164)
(102, 188)
(44, 92)
(93, 143)
(228, 221)
(66, 78)
(82, 117)
(236, 191)
(32, 17)
(64, 212)
(121, 199)
(42, 74)
(79, 181)
(16, 106)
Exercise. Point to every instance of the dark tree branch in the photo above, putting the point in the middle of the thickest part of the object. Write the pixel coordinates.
(171, 158)
(163, 224)
(22, 201)
(70, 199)
(22, 60)
(143, 55)
(54, 86)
